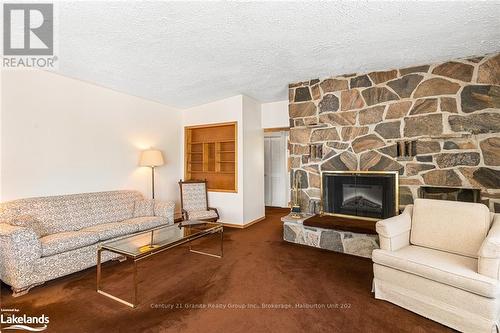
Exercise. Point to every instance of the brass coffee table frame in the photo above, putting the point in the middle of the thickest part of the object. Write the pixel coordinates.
(217, 228)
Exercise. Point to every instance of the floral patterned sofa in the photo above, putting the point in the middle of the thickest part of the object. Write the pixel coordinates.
(48, 237)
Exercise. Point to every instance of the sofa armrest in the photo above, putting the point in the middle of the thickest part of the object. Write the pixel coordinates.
(394, 232)
(489, 253)
(165, 209)
(19, 248)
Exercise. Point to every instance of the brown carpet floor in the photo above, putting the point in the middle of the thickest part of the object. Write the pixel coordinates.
(258, 267)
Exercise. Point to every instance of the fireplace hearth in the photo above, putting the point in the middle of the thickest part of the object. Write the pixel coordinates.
(366, 195)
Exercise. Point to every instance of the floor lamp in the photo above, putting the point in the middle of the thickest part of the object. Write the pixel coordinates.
(151, 158)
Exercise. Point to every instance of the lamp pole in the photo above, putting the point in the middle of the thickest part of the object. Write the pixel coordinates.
(151, 158)
(153, 181)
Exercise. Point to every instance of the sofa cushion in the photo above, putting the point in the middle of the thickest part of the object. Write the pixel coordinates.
(202, 214)
(447, 268)
(146, 222)
(165, 209)
(144, 208)
(66, 241)
(113, 206)
(452, 226)
(111, 230)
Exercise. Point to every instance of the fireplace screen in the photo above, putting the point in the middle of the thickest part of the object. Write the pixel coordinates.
(362, 197)
(367, 195)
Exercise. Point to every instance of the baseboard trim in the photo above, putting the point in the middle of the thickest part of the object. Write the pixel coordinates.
(239, 226)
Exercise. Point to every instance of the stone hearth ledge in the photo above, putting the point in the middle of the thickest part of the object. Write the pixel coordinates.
(352, 243)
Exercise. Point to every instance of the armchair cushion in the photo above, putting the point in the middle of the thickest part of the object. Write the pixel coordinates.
(194, 197)
(202, 215)
(452, 226)
(447, 268)
(66, 241)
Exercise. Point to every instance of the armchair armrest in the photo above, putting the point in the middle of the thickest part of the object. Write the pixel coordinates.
(185, 214)
(489, 253)
(165, 209)
(215, 210)
(394, 232)
(19, 248)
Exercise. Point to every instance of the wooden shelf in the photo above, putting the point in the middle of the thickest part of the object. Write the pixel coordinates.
(209, 143)
(215, 172)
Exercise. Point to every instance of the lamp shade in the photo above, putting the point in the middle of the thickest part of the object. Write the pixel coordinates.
(151, 158)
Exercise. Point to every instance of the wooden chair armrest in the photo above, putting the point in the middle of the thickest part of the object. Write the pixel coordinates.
(215, 210)
(185, 214)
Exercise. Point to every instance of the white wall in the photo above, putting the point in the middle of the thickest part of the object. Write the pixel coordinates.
(1, 136)
(60, 135)
(230, 205)
(275, 115)
(253, 161)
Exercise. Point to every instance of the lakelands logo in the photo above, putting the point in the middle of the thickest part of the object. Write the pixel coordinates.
(24, 322)
(28, 35)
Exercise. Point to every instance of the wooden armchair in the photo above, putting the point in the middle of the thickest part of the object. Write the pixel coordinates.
(194, 201)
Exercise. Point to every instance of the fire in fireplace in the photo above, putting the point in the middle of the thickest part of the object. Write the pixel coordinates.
(369, 195)
(362, 197)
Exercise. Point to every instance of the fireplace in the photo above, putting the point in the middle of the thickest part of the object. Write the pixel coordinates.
(365, 195)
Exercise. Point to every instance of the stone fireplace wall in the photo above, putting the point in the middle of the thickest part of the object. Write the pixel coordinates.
(450, 110)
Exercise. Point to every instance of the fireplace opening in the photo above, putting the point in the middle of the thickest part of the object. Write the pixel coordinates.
(362, 197)
(450, 193)
(360, 194)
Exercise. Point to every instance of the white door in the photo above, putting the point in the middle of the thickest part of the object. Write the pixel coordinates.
(267, 170)
(275, 170)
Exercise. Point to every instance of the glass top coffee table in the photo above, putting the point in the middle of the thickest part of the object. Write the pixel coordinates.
(144, 244)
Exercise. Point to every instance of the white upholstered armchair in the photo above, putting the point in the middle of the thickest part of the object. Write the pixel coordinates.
(194, 201)
(441, 259)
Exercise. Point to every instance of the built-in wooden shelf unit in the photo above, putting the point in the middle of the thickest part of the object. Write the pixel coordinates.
(211, 154)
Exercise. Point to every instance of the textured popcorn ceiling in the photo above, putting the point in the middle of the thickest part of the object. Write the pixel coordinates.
(184, 54)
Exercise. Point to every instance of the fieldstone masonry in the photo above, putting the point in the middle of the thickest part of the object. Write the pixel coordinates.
(357, 244)
(452, 110)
